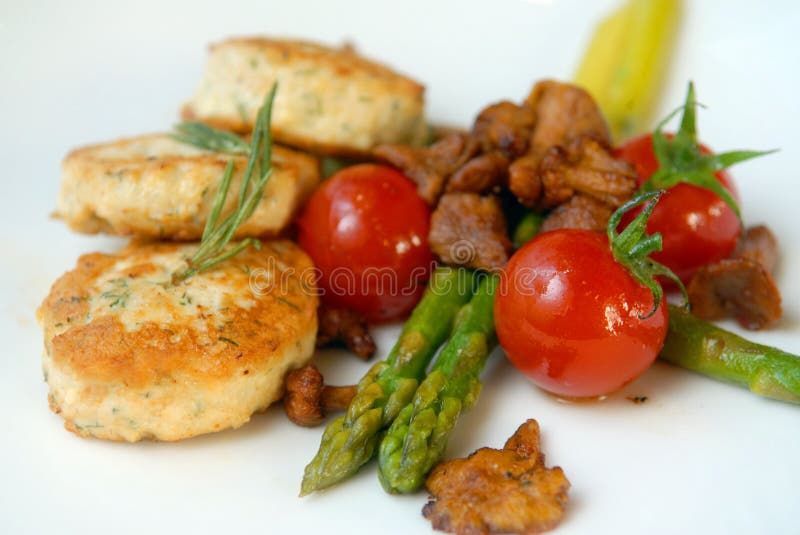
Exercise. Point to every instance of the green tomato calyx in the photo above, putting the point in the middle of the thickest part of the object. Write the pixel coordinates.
(633, 246)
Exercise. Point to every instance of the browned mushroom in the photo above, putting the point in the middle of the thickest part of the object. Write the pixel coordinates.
(481, 174)
(430, 166)
(585, 166)
(345, 326)
(498, 491)
(760, 245)
(741, 287)
(557, 163)
(470, 230)
(736, 287)
(552, 152)
(580, 211)
(308, 399)
(504, 127)
(524, 180)
(563, 112)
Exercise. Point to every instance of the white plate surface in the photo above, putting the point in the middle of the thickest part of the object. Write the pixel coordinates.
(698, 456)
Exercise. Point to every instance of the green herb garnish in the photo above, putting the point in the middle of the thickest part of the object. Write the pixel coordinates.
(209, 138)
(228, 341)
(681, 159)
(216, 236)
(119, 295)
(288, 303)
(632, 248)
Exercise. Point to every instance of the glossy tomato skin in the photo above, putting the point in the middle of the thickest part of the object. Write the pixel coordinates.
(696, 225)
(367, 231)
(567, 316)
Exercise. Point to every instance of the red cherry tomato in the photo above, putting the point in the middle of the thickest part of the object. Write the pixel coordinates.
(367, 231)
(697, 227)
(568, 316)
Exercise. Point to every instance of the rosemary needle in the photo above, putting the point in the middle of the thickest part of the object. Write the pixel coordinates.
(216, 236)
(206, 137)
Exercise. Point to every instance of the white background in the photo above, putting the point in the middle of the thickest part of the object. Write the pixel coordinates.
(699, 456)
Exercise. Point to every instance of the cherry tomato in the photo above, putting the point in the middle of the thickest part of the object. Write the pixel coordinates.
(570, 317)
(367, 231)
(697, 227)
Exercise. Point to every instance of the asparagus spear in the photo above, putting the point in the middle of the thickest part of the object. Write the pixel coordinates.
(707, 349)
(416, 440)
(527, 228)
(350, 440)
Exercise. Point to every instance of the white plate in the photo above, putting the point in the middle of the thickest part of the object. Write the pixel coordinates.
(698, 456)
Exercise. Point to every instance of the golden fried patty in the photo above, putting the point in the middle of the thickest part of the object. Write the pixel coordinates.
(128, 355)
(154, 186)
(329, 100)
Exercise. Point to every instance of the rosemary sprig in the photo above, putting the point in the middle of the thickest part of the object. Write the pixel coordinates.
(216, 235)
(209, 138)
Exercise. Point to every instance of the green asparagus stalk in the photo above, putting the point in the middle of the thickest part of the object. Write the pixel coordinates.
(705, 348)
(416, 440)
(351, 440)
(527, 228)
(330, 166)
